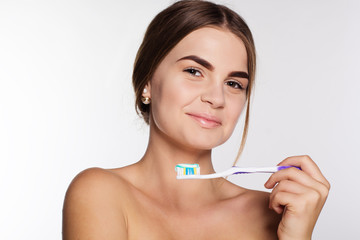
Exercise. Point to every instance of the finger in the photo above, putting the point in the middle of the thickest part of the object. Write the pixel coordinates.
(293, 174)
(307, 200)
(307, 165)
(298, 177)
(279, 200)
(289, 187)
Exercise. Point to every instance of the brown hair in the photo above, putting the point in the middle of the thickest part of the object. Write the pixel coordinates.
(170, 26)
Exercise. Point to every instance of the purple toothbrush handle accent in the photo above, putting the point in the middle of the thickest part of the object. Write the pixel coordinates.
(284, 167)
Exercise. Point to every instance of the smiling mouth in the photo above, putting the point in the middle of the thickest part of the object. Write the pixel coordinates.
(205, 121)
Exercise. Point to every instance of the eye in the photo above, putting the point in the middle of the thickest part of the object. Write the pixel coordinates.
(234, 84)
(193, 71)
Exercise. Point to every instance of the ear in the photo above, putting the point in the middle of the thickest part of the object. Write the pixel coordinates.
(147, 90)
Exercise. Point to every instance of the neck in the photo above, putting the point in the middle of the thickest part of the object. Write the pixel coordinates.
(157, 169)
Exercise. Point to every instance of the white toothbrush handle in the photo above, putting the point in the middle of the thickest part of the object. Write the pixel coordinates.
(234, 170)
(208, 176)
(255, 170)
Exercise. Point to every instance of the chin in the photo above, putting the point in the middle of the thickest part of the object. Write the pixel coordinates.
(204, 142)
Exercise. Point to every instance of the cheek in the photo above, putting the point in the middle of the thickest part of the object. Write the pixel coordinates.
(169, 96)
(188, 92)
(177, 92)
(234, 110)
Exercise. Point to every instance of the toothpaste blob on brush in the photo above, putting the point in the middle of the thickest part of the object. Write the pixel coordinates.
(187, 169)
(192, 171)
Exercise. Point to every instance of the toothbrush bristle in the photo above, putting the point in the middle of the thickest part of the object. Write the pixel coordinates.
(187, 169)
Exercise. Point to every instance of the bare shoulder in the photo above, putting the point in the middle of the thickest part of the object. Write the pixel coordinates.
(96, 177)
(96, 184)
(94, 206)
(263, 217)
(259, 220)
(260, 200)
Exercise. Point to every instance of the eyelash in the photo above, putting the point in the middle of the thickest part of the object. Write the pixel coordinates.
(193, 71)
(238, 85)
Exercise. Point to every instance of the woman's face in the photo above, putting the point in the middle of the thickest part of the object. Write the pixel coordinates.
(199, 89)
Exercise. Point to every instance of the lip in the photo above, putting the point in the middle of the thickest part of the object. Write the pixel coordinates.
(206, 120)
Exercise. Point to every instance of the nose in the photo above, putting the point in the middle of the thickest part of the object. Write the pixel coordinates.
(213, 94)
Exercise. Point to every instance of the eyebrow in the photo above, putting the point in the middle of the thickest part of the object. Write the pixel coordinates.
(206, 64)
(199, 60)
(239, 74)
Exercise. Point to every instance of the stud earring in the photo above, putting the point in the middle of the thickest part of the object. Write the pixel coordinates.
(146, 100)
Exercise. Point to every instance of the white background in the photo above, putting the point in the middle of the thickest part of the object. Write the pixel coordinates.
(66, 101)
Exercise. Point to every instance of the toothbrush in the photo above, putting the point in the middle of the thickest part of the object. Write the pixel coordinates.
(192, 171)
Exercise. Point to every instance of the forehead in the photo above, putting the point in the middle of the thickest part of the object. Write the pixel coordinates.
(218, 46)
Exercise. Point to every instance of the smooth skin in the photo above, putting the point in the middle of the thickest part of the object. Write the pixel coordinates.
(195, 105)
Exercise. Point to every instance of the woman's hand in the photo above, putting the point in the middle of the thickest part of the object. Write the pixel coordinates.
(299, 195)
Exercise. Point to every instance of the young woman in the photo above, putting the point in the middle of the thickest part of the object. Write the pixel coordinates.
(193, 77)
